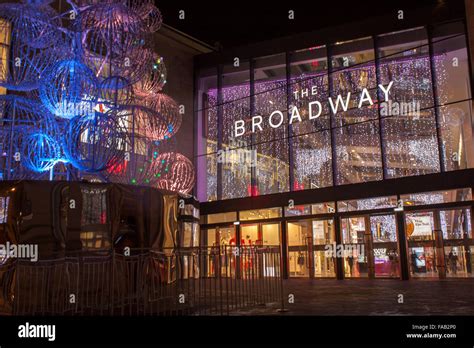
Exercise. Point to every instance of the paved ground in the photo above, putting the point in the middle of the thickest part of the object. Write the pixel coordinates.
(375, 297)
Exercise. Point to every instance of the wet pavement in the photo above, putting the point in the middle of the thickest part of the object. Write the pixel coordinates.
(373, 297)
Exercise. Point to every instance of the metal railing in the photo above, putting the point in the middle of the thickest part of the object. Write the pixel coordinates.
(188, 281)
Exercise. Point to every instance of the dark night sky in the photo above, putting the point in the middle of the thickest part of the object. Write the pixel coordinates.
(237, 22)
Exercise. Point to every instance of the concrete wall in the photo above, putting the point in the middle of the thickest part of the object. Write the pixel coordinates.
(178, 51)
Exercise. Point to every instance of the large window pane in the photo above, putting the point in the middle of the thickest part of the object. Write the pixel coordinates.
(311, 142)
(356, 130)
(206, 134)
(312, 160)
(438, 197)
(271, 143)
(236, 164)
(456, 223)
(408, 120)
(451, 70)
(358, 153)
(456, 135)
(451, 63)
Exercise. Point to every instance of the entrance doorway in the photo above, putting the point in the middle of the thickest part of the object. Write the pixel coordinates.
(307, 241)
(370, 246)
(457, 242)
(218, 242)
(420, 232)
(440, 243)
(260, 234)
(257, 235)
(386, 256)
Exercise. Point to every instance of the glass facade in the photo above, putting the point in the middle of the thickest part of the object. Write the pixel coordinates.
(375, 108)
(424, 235)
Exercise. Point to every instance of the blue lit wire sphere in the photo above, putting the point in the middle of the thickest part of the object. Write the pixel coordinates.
(22, 118)
(34, 26)
(69, 88)
(95, 143)
(40, 152)
(35, 44)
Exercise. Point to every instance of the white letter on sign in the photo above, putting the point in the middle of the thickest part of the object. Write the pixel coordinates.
(295, 114)
(311, 116)
(239, 128)
(271, 117)
(255, 124)
(386, 91)
(340, 100)
(365, 96)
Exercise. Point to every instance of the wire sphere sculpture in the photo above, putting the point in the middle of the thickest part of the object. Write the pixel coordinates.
(154, 80)
(95, 107)
(21, 118)
(40, 152)
(25, 115)
(115, 91)
(69, 88)
(10, 156)
(113, 41)
(139, 165)
(31, 34)
(151, 15)
(179, 177)
(34, 26)
(93, 144)
(158, 117)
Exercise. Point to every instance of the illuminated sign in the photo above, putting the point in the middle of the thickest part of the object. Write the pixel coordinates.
(418, 226)
(276, 118)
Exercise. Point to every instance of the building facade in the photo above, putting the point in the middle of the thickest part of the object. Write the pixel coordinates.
(350, 148)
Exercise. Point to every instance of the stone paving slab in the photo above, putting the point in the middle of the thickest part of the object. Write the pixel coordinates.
(374, 297)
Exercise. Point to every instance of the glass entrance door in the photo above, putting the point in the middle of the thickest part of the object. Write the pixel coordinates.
(370, 247)
(307, 248)
(323, 235)
(355, 249)
(457, 239)
(267, 234)
(299, 244)
(420, 232)
(259, 235)
(386, 257)
(218, 243)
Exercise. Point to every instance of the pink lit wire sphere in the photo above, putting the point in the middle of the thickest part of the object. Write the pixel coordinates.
(179, 177)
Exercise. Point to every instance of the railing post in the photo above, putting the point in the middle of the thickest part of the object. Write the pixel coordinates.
(112, 287)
